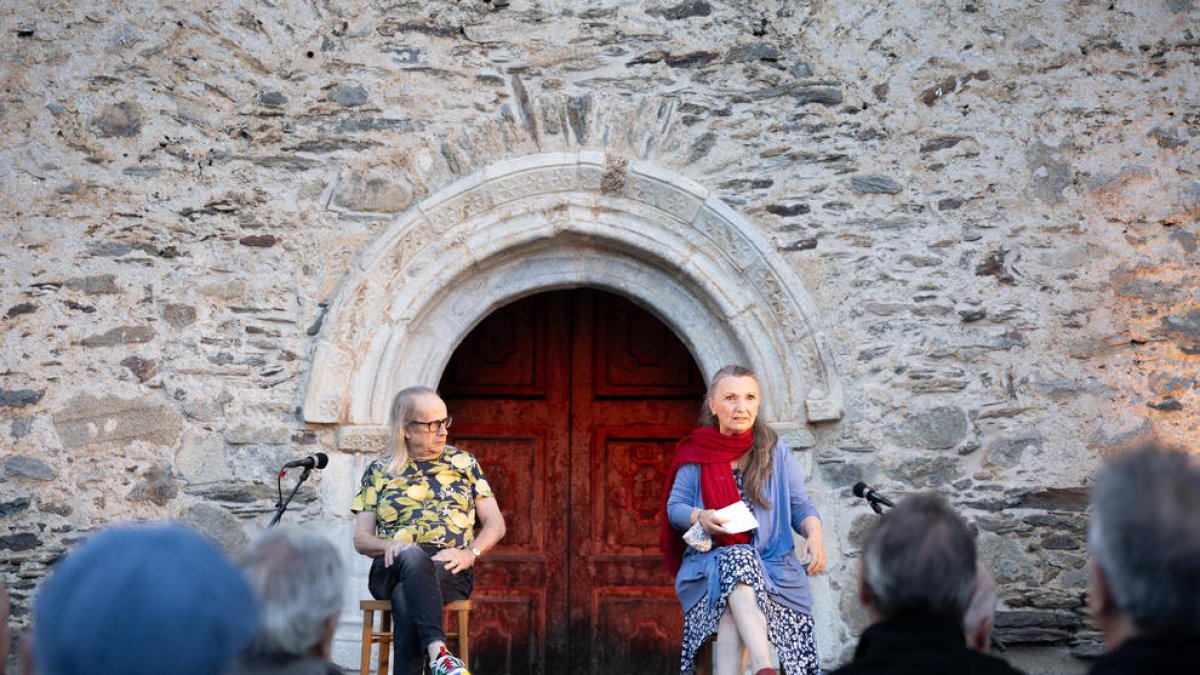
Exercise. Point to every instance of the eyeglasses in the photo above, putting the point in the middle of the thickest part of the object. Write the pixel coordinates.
(434, 425)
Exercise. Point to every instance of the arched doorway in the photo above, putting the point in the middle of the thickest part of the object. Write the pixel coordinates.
(573, 401)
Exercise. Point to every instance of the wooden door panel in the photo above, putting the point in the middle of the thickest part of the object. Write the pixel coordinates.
(629, 468)
(632, 627)
(511, 459)
(635, 355)
(506, 354)
(507, 631)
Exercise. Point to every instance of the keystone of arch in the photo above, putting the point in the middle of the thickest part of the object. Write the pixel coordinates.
(563, 220)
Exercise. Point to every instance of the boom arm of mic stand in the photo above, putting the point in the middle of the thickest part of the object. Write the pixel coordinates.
(282, 506)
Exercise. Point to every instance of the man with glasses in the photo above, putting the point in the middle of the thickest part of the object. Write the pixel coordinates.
(415, 513)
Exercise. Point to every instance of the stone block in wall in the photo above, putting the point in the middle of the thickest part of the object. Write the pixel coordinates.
(1007, 451)
(863, 185)
(20, 541)
(178, 315)
(111, 420)
(1009, 561)
(373, 194)
(1036, 626)
(201, 458)
(1112, 437)
(1050, 170)
(221, 288)
(937, 428)
(19, 398)
(840, 473)
(119, 120)
(94, 285)
(1184, 330)
(258, 432)
(217, 524)
(122, 335)
(22, 466)
(244, 491)
(927, 472)
(158, 485)
(13, 507)
(22, 426)
(860, 526)
(1054, 499)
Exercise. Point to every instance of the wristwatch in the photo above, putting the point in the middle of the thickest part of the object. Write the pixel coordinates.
(475, 552)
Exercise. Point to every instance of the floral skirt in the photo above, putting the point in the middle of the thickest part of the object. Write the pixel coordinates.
(791, 632)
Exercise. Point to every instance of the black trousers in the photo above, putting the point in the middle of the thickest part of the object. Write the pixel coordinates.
(417, 586)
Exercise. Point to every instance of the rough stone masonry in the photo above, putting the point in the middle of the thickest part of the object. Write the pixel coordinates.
(993, 205)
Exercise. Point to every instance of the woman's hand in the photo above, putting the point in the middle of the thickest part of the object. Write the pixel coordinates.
(711, 522)
(456, 559)
(814, 545)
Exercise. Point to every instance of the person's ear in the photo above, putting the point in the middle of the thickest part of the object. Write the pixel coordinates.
(324, 648)
(980, 641)
(27, 667)
(866, 596)
(1100, 597)
(864, 590)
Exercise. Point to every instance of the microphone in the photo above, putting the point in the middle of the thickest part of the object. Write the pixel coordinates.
(317, 461)
(863, 490)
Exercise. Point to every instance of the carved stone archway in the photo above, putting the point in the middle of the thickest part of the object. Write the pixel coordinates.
(550, 221)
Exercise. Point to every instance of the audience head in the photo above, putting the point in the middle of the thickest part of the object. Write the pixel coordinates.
(918, 559)
(299, 578)
(142, 600)
(1145, 545)
(977, 621)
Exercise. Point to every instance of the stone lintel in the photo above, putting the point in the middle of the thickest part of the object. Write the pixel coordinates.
(370, 439)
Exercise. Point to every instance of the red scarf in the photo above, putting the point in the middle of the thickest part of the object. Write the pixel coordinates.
(713, 451)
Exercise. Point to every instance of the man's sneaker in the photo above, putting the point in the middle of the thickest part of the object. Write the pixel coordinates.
(447, 664)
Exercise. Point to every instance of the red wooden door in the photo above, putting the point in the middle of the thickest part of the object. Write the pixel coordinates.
(573, 401)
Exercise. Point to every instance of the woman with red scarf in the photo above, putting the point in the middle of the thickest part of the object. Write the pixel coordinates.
(750, 589)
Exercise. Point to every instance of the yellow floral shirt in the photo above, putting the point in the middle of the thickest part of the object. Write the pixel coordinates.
(430, 502)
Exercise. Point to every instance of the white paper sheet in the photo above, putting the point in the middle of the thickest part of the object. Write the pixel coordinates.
(738, 517)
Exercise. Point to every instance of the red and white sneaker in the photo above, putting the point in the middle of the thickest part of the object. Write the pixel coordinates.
(447, 664)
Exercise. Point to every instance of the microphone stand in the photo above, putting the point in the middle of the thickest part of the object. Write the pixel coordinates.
(282, 504)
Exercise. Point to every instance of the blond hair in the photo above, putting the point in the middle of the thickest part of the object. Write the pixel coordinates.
(404, 407)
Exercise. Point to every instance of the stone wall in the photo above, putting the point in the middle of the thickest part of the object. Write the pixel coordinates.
(992, 206)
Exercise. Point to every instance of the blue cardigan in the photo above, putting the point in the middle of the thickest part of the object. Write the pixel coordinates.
(785, 577)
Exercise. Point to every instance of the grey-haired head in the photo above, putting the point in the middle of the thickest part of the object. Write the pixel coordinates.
(298, 577)
(919, 559)
(1145, 543)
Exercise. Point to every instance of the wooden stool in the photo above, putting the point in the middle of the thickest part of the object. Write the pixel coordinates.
(383, 636)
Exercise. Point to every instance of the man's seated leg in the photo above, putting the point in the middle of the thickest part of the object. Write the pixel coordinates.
(411, 584)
